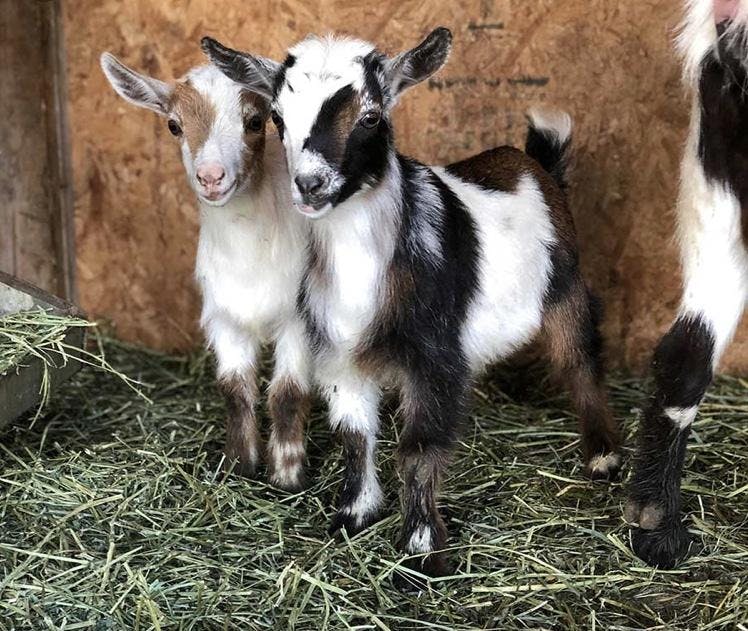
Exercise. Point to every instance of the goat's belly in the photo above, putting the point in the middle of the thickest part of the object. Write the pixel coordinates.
(492, 334)
(507, 310)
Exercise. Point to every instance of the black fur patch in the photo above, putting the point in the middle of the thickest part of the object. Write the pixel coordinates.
(723, 137)
(325, 135)
(354, 453)
(280, 77)
(422, 61)
(564, 274)
(422, 332)
(682, 363)
(373, 69)
(315, 266)
(545, 148)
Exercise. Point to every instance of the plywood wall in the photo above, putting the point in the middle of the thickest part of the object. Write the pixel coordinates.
(608, 62)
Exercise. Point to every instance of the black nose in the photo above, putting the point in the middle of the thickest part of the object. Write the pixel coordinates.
(309, 184)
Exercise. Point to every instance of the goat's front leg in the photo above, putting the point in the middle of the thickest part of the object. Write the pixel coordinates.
(289, 402)
(354, 411)
(715, 273)
(236, 355)
(432, 406)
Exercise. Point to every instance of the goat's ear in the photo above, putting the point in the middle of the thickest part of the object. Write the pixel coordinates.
(256, 74)
(419, 63)
(134, 87)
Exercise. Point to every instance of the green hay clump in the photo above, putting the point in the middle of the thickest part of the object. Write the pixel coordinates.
(41, 334)
(114, 514)
(36, 333)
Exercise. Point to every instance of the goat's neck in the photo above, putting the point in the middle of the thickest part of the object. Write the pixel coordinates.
(369, 221)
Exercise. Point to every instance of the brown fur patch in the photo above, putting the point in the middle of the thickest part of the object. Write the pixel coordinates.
(399, 284)
(196, 114)
(570, 357)
(254, 141)
(289, 407)
(501, 168)
(242, 435)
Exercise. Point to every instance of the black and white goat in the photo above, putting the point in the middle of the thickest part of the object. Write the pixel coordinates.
(712, 230)
(250, 257)
(421, 276)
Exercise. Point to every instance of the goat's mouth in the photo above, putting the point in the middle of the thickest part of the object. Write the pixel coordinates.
(218, 198)
(313, 211)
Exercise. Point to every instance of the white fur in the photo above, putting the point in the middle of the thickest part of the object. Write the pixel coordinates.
(715, 263)
(604, 464)
(420, 541)
(682, 417)
(515, 233)
(250, 258)
(555, 122)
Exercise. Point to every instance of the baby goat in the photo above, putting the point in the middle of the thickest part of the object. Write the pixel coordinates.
(421, 276)
(250, 257)
(713, 232)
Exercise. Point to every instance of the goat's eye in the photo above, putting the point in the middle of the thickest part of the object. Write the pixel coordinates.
(370, 120)
(277, 120)
(254, 123)
(174, 127)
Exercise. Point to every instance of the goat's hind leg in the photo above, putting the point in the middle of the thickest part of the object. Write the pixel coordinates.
(574, 343)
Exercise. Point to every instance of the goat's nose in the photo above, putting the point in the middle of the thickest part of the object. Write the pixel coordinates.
(210, 174)
(309, 184)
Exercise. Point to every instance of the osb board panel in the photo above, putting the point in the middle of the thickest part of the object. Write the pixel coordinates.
(608, 62)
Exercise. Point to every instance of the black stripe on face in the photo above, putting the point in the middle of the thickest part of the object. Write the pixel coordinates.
(327, 136)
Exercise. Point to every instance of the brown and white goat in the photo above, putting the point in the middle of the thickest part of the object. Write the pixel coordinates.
(421, 276)
(713, 234)
(250, 256)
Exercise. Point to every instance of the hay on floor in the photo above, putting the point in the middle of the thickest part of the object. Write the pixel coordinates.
(114, 515)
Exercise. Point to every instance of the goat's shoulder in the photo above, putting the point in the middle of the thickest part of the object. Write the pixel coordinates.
(499, 169)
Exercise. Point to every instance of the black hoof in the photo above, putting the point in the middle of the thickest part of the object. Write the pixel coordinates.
(664, 547)
(430, 566)
(352, 525)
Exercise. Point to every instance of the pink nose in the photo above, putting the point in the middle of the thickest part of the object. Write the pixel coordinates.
(210, 175)
(725, 10)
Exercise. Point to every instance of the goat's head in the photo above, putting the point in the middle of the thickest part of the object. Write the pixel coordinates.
(331, 102)
(220, 126)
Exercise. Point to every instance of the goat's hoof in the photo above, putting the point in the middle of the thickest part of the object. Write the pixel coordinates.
(657, 539)
(291, 481)
(430, 566)
(351, 523)
(604, 467)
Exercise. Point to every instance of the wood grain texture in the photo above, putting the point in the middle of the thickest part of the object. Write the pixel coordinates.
(35, 210)
(608, 62)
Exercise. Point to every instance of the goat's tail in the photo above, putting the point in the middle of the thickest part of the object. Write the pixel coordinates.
(549, 141)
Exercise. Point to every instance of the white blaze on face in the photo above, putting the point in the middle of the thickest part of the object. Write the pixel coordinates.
(321, 68)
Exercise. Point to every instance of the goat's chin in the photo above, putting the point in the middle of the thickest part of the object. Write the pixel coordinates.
(219, 201)
(310, 212)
